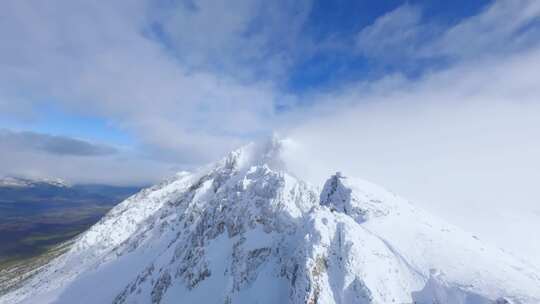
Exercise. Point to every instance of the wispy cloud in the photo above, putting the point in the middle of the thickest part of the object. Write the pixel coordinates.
(404, 34)
(246, 40)
(53, 144)
(503, 27)
(393, 36)
(39, 155)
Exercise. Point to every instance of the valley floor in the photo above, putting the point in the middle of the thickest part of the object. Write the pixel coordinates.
(15, 272)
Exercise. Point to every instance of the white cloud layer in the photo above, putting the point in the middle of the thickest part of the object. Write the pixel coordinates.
(462, 142)
(103, 59)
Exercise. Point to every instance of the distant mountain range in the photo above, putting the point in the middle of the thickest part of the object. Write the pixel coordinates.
(20, 190)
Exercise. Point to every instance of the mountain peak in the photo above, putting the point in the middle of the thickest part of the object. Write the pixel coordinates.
(357, 198)
(336, 195)
(265, 152)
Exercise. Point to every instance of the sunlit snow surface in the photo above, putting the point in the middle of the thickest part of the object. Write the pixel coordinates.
(244, 230)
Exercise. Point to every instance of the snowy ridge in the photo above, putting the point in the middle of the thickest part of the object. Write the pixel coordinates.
(244, 230)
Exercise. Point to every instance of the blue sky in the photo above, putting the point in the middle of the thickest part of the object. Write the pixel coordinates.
(54, 120)
(174, 84)
(342, 20)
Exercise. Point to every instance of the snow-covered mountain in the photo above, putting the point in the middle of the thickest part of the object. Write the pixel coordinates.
(246, 230)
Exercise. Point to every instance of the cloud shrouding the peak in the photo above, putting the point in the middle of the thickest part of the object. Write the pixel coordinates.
(461, 139)
(463, 143)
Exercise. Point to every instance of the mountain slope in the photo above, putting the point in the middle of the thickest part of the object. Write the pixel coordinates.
(245, 230)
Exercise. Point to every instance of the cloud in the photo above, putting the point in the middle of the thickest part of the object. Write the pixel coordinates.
(121, 169)
(60, 145)
(461, 142)
(183, 78)
(460, 139)
(189, 80)
(405, 36)
(256, 37)
(504, 26)
(390, 35)
(38, 155)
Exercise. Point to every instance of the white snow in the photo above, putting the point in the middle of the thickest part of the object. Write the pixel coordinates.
(245, 230)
